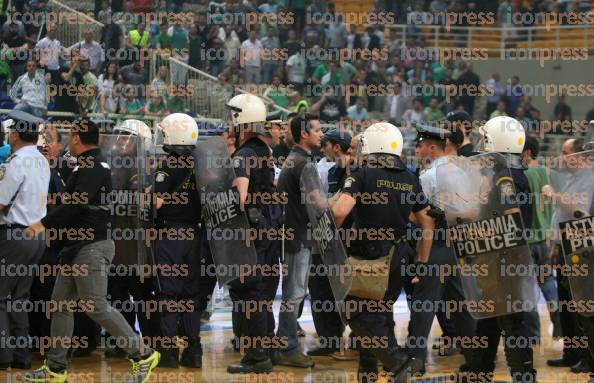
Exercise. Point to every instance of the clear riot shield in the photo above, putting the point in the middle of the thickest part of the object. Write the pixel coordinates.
(124, 154)
(324, 232)
(574, 212)
(486, 230)
(226, 225)
(147, 212)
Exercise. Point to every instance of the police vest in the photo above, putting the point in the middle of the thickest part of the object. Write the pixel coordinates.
(261, 173)
(137, 39)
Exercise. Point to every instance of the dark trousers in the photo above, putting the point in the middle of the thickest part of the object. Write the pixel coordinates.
(123, 287)
(14, 292)
(253, 297)
(183, 288)
(518, 350)
(570, 329)
(448, 329)
(429, 294)
(376, 326)
(41, 292)
(325, 314)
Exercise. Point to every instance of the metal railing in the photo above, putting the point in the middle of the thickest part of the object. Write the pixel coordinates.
(71, 28)
(502, 40)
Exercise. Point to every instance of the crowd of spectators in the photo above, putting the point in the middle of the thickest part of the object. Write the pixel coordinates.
(294, 65)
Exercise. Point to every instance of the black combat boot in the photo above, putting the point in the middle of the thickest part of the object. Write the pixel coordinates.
(192, 355)
(396, 362)
(367, 371)
(256, 361)
(169, 358)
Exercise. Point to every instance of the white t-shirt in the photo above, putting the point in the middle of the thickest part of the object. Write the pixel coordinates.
(297, 64)
(49, 52)
(251, 53)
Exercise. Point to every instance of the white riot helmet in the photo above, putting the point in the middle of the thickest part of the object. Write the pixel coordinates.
(247, 109)
(502, 135)
(180, 132)
(381, 137)
(135, 128)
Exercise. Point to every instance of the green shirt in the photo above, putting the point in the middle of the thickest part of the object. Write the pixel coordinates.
(175, 105)
(433, 114)
(438, 71)
(497, 113)
(542, 209)
(155, 108)
(131, 107)
(164, 41)
(336, 78)
(280, 96)
(179, 39)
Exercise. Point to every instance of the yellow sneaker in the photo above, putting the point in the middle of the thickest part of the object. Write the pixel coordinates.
(45, 375)
(142, 368)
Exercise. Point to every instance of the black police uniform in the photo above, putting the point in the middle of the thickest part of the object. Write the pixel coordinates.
(391, 183)
(433, 289)
(327, 322)
(181, 216)
(253, 160)
(41, 290)
(514, 327)
(122, 286)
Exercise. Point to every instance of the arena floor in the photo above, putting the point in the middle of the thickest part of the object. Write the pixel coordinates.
(218, 353)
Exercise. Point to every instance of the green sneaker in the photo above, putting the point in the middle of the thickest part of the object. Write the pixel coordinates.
(142, 368)
(45, 375)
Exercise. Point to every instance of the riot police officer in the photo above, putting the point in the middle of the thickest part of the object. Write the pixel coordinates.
(130, 140)
(398, 197)
(329, 326)
(506, 136)
(177, 247)
(255, 174)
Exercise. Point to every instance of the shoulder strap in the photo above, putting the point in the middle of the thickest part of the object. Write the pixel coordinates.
(7, 208)
(186, 179)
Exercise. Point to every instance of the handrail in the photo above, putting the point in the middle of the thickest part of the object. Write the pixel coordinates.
(116, 116)
(491, 29)
(78, 13)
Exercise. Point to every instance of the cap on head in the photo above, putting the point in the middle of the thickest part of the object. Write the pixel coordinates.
(459, 116)
(503, 134)
(27, 125)
(382, 137)
(433, 133)
(337, 136)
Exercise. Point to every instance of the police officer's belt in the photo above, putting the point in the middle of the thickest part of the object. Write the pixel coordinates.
(12, 226)
(370, 277)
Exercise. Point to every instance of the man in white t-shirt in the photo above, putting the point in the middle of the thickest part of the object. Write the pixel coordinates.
(250, 57)
(49, 49)
(296, 67)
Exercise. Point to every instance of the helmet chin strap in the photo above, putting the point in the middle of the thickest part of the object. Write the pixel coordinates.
(180, 150)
